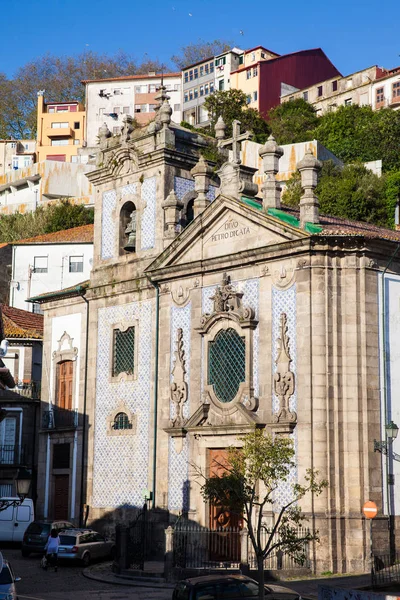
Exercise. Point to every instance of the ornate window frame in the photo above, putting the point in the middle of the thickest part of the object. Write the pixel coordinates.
(121, 408)
(124, 326)
(121, 201)
(229, 313)
(60, 355)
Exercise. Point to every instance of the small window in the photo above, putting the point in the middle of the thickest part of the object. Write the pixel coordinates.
(334, 86)
(206, 91)
(59, 125)
(177, 107)
(221, 85)
(186, 78)
(396, 89)
(77, 142)
(37, 309)
(196, 93)
(206, 69)
(137, 108)
(248, 99)
(117, 92)
(125, 110)
(121, 421)
(186, 97)
(241, 58)
(380, 95)
(253, 56)
(305, 96)
(255, 96)
(40, 264)
(201, 71)
(116, 110)
(191, 75)
(248, 74)
(211, 87)
(202, 90)
(349, 83)
(255, 72)
(347, 102)
(77, 125)
(319, 91)
(262, 54)
(76, 264)
(212, 67)
(196, 73)
(124, 351)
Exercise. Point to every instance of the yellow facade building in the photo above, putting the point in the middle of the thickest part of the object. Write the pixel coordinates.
(60, 130)
(246, 78)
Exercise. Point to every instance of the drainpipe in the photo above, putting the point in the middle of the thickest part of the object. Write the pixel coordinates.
(385, 398)
(155, 396)
(82, 292)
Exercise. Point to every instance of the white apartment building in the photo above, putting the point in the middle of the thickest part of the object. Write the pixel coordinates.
(16, 154)
(50, 262)
(375, 86)
(108, 100)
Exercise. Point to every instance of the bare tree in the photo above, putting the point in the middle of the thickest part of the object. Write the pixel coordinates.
(193, 53)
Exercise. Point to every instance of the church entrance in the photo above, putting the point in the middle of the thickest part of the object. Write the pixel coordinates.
(227, 525)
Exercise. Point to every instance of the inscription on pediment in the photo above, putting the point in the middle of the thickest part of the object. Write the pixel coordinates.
(230, 230)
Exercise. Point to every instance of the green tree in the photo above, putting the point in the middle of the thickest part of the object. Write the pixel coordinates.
(231, 105)
(392, 193)
(293, 121)
(55, 217)
(248, 488)
(201, 50)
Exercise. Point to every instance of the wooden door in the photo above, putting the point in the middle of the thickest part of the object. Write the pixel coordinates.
(225, 544)
(65, 373)
(61, 496)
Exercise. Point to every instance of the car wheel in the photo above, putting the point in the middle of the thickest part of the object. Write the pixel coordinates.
(86, 559)
(25, 553)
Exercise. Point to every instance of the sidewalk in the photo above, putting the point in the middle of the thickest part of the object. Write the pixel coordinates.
(307, 588)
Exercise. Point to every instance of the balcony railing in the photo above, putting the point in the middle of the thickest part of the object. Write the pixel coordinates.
(59, 418)
(28, 389)
(13, 454)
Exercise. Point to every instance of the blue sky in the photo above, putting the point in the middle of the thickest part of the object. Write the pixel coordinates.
(354, 34)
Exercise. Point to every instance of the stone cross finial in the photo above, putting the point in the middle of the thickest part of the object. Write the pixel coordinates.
(309, 168)
(234, 141)
(270, 154)
(201, 174)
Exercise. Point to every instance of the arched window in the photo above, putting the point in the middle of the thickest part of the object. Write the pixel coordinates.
(121, 421)
(65, 372)
(226, 364)
(127, 228)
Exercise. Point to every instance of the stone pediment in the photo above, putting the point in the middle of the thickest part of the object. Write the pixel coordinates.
(226, 227)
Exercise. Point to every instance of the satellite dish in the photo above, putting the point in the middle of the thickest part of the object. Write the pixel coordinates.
(1, 562)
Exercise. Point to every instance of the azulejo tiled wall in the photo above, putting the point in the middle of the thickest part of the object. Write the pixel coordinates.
(148, 221)
(178, 462)
(182, 186)
(284, 301)
(107, 224)
(120, 469)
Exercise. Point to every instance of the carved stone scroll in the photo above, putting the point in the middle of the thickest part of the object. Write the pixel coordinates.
(284, 379)
(179, 389)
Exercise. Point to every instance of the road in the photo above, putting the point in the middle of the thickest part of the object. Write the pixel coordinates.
(69, 583)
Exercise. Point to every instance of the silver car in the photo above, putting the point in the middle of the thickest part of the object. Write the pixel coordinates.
(84, 545)
(7, 582)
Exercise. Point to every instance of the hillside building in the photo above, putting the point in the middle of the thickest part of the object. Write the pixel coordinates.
(16, 154)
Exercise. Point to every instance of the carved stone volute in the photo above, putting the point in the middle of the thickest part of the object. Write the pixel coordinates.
(179, 388)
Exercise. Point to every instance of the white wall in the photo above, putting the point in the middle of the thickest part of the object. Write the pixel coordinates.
(387, 85)
(27, 283)
(98, 107)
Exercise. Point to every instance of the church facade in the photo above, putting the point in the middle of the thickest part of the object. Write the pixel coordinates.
(211, 311)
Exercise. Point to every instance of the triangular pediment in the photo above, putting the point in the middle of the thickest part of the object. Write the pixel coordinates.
(226, 227)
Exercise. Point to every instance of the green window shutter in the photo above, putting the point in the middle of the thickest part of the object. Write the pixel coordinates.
(227, 364)
(124, 351)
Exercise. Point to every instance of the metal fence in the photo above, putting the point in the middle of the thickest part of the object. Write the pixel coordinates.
(12, 454)
(279, 560)
(196, 547)
(59, 418)
(386, 568)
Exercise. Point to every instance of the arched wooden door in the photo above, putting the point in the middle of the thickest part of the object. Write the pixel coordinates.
(65, 373)
(225, 545)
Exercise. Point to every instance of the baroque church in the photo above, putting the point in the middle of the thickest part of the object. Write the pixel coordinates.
(213, 310)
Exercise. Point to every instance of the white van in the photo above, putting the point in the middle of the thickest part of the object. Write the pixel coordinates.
(15, 519)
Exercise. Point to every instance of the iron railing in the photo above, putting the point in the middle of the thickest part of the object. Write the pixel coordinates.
(28, 389)
(59, 418)
(201, 548)
(386, 568)
(13, 454)
(279, 560)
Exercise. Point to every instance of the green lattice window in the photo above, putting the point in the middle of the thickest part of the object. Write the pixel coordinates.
(227, 364)
(121, 421)
(124, 351)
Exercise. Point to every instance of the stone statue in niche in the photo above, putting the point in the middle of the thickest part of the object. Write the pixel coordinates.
(178, 388)
(284, 379)
(130, 232)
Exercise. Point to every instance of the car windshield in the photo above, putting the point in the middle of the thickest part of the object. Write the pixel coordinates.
(38, 528)
(67, 540)
(5, 576)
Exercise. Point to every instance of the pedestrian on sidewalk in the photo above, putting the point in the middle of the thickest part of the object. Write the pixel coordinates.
(51, 549)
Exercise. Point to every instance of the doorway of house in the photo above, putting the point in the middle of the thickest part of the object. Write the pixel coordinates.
(61, 495)
(225, 542)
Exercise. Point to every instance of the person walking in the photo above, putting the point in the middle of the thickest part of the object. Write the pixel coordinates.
(51, 549)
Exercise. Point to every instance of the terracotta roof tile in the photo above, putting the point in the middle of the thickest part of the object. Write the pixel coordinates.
(82, 234)
(21, 323)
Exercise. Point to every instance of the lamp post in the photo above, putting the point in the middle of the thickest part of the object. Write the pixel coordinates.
(22, 483)
(385, 447)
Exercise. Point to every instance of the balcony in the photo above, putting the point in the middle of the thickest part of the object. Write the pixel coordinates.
(56, 419)
(55, 132)
(394, 101)
(12, 455)
(28, 389)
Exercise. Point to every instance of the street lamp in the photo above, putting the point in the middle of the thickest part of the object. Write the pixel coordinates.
(22, 484)
(391, 434)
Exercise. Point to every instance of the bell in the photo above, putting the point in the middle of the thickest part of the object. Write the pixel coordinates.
(131, 243)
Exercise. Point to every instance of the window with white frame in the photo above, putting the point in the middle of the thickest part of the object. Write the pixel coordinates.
(76, 264)
(40, 264)
(60, 142)
(59, 125)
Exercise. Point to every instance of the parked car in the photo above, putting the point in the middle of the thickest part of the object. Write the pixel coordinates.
(7, 582)
(84, 545)
(15, 519)
(222, 587)
(37, 534)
